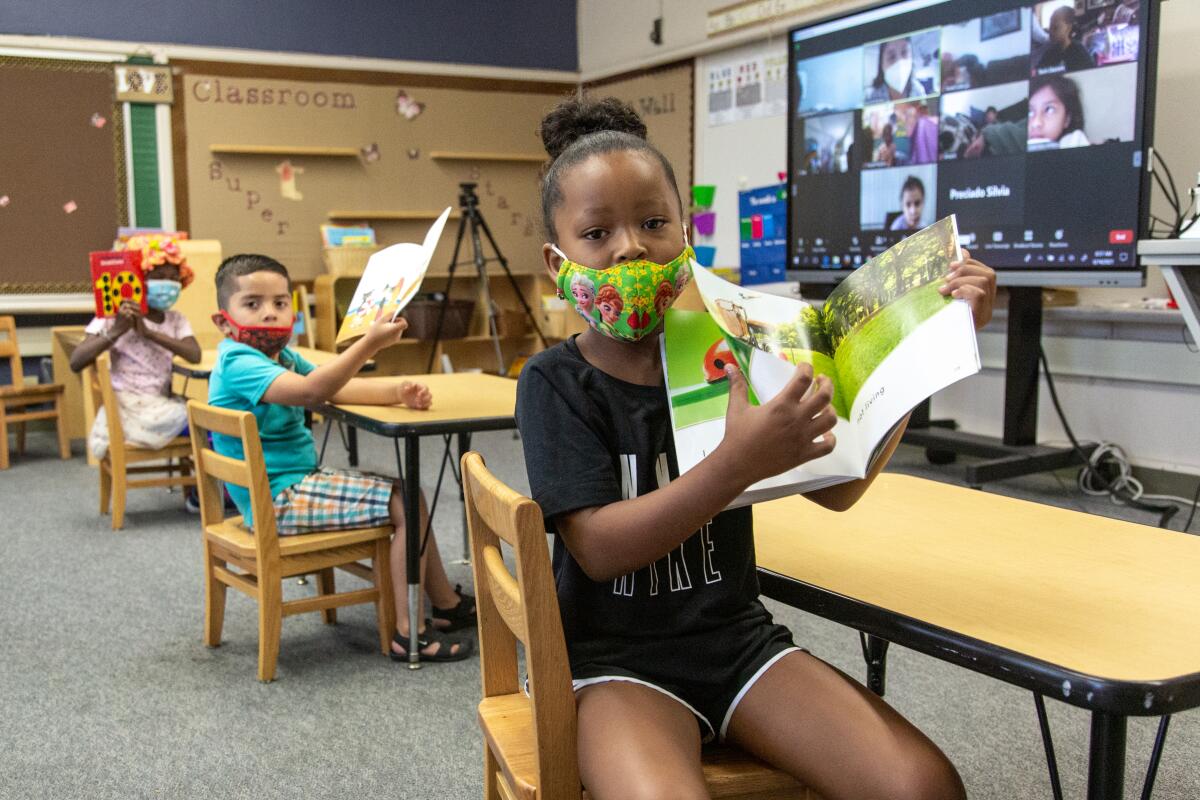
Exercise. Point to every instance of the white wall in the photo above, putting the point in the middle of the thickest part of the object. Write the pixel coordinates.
(1150, 410)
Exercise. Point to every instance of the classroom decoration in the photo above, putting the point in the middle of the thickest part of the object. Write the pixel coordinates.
(370, 153)
(98, 120)
(287, 180)
(143, 83)
(703, 195)
(762, 218)
(4, 201)
(705, 254)
(705, 222)
(390, 280)
(747, 86)
(407, 107)
(70, 207)
(116, 277)
(886, 339)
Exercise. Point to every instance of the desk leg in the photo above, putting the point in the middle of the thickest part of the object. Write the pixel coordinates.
(464, 444)
(1106, 757)
(875, 654)
(412, 542)
(352, 444)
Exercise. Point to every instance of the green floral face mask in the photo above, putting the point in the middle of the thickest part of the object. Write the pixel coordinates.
(626, 301)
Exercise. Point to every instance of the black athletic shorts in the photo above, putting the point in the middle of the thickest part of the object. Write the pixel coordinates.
(709, 673)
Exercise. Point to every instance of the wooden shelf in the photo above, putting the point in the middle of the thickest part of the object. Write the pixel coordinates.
(283, 150)
(448, 155)
(389, 215)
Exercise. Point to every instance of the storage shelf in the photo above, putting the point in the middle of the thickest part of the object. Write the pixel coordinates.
(449, 155)
(283, 150)
(389, 215)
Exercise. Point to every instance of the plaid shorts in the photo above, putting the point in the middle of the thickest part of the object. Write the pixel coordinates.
(333, 499)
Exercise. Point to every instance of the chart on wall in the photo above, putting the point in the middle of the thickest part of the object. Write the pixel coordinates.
(663, 98)
(748, 86)
(270, 161)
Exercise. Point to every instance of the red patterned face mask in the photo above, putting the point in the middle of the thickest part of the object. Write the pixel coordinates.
(267, 339)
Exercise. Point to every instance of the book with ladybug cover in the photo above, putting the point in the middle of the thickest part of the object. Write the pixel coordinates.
(116, 277)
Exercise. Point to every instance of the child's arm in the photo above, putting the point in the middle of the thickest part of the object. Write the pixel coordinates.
(375, 392)
(187, 348)
(96, 343)
(760, 441)
(320, 385)
(844, 495)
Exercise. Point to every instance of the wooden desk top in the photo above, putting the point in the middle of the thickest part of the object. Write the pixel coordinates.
(476, 400)
(1109, 599)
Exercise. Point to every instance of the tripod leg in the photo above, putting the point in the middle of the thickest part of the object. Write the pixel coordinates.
(485, 290)
(516, 289)
(437, 335)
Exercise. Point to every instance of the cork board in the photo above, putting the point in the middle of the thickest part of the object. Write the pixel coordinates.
(62, 183)
(663, 97)
(384, 141)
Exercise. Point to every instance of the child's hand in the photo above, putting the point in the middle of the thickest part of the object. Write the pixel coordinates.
(974, 282)
(413, 395)
(384, 333)
(129, 317)
(793, 428)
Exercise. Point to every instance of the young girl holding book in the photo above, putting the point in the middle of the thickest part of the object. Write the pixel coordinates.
(668, 642)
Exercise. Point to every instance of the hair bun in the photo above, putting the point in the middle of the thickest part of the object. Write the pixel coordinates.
(575, 118)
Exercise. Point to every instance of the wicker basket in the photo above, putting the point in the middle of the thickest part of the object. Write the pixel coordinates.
(347, 261)
(422, 316)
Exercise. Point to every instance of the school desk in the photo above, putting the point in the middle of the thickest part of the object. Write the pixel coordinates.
(463, 403)
(1095, 612)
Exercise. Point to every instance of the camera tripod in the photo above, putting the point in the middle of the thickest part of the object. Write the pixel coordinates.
(472, 219)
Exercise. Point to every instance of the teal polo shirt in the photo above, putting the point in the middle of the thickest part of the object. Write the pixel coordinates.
(238, 381)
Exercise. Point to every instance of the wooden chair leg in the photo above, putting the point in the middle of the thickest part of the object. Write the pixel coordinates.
(385, 603)
(214, 599)
(327, 585)
(270, 618)
(3, 438)
(105, 487)
(491, 767)
(118, 498)
(60, 425)
(21, 438)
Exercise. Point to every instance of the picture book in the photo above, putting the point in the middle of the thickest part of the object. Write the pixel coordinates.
(116, 277)
(390, 280)
(885, 337)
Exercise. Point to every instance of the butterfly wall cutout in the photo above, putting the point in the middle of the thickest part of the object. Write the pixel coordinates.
(407, 107)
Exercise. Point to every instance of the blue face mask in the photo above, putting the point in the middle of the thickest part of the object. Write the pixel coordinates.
(161, 295)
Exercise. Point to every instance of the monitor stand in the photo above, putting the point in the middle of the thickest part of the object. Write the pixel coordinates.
(1018, 452)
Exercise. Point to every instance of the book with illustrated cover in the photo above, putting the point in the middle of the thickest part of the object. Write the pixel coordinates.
(885, 337)
(117, 277)
(390, 280)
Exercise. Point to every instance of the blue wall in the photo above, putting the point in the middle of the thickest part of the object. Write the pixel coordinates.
(538, 34)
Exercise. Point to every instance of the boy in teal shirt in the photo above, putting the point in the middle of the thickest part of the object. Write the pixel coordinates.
(256, 372)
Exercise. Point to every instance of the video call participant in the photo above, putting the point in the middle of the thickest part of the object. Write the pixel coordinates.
(912, 205)
(1063, 51)
(894, 78)
(1055, 113)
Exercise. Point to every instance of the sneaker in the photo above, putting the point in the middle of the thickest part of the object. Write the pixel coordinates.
(191, 500)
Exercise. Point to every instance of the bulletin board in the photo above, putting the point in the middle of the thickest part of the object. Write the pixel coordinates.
(62, 179)
(390, 155)
(663, 97)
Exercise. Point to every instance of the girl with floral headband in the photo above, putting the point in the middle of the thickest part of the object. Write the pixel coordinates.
(142, 348)
(668, 642)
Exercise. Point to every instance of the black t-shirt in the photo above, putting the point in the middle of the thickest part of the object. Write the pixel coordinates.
(1072, 57)
(590, 440)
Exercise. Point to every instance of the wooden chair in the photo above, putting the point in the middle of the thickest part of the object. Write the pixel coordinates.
(263, 557)
(530, 739)
(118, 463)
(16, 399)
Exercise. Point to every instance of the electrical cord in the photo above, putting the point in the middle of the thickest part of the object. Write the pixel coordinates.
(1119, 482)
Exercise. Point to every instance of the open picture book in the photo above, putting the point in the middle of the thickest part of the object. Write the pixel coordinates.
(885, 337)
(391, 278)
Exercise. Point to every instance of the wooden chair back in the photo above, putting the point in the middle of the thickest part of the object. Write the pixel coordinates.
(249, 472)
(304, 307)
(525, 608)
(10, 350)
(100, 397)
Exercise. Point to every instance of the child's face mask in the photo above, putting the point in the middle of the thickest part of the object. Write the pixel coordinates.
(267, 339)
(162, 294)
(627, 300)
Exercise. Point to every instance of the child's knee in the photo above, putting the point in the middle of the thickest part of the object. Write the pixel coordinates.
(929, 777)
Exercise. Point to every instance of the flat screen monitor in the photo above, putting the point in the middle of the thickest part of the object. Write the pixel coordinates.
(1030, 121)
